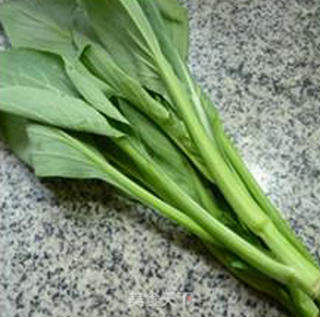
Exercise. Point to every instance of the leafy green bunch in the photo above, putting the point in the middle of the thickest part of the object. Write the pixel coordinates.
(101, 89)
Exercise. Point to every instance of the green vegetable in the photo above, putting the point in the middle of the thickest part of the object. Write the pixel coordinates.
(101, 89)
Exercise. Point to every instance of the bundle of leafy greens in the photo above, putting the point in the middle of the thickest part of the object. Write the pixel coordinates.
(101, 89)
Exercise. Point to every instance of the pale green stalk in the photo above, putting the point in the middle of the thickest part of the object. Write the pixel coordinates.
(256, 191)
(243, 204)
(302, 304)
(222, 233)
(298, 303)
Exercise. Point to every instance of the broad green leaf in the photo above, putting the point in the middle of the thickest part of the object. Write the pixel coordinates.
(13, 129)
(40, 24)
(58, 154)
(91, 92)
(88, 86)
(128, 37)
(24, 67)
(101, 85)
(55, 109)
(56, 21)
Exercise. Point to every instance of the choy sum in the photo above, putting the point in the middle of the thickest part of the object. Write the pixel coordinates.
(101, 89)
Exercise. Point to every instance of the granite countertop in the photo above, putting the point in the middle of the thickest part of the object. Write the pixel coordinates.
(77, 248)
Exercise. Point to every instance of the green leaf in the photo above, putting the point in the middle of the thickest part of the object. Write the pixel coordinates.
(91, 92)
(57, 21)
(59, 154)
(55, 109)
(13, 129)
(98, 83)
(40, 24)
(23, 67)
(128, 37)
(55, 153)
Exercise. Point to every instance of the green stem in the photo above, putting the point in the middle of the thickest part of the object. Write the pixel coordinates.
(220, 232)
(305, 306)
(301, 303)
(217, 231)
(246, 208)
(297, 302)
(260, 197)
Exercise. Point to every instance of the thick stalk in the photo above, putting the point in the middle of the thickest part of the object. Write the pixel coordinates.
(305, 305)
(220, 232)
(297, 302)
(276, 270)
(246, 208)
(245, 250)
(263, 201)
(300, 306)
(202, 146)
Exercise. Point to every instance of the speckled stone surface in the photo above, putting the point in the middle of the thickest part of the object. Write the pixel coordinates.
(71, 248)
